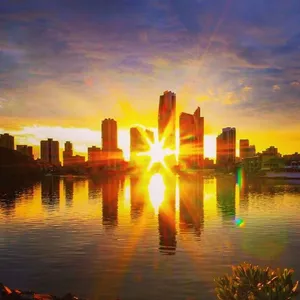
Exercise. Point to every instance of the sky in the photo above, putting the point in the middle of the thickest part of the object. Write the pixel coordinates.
(65, 65)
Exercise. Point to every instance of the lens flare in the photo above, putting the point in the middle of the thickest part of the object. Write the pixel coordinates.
(157, 152)
(239, 222)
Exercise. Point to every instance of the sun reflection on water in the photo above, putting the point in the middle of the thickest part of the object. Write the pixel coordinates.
(156, 190)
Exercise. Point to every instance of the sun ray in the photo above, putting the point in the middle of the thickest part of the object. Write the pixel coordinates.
(157, 152)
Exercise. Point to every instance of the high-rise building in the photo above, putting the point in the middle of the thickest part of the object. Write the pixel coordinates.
(7, 141)
(25, 150)
(246, 150)
(50, 152)
(109, 131)
(140, 141)
(226, 147)
(69, 148)
(150, 135)
(69, 159)
(167, 119)
(68, 153)
(191, 132)
(111, 155)
(252, 150)
(186, 138)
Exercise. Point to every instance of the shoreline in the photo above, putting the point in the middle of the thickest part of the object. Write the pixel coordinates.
(7, 293)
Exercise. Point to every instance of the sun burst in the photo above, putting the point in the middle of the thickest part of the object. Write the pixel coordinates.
(157, 152)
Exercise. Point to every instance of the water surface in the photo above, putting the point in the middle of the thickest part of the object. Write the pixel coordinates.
(159, 237)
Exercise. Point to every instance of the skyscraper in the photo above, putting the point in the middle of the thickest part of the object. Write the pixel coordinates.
(111, 155)
(68, 153)
(191, 128)
(109, 131)
(7, 141)
(199, 142)
(252, 151)
(244, 148)
(139, 142)
(226, 147)
(50, 152)
(167, 119)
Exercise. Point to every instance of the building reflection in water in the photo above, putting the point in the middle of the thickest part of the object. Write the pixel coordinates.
(7, 199)
(226, 197)
(69, 190)
(50, 191)
(110, 190)
(94, 191)
(243, 186)
(11, 191)
(191, 204)
(162, 194)
(137, 197)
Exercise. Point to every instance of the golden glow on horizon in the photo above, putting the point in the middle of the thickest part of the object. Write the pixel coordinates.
(82, 138)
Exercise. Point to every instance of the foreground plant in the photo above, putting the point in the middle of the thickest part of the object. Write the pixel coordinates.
(253, 283)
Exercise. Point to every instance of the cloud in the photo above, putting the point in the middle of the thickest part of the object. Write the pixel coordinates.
(231, 98)
(295, 83)
(2, 101)
(247, 89)
(75, 65)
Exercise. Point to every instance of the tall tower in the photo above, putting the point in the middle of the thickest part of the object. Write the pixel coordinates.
(111, 155)
(244, 148)
(109, 135)
(7, 141)
(139, 142)
(68, 153)
(50, 152)
(226, 147)
(199, 137)
(191, 131)
(167, 119)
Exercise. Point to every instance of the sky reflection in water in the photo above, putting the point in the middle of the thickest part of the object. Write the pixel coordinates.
(150, 237)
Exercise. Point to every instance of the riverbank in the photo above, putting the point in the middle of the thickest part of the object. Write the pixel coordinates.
(10, 294)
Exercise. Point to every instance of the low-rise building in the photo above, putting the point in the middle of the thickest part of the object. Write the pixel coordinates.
(268, 160)
(94, 155)
(25, 150)
(252, 165)
(208, 163)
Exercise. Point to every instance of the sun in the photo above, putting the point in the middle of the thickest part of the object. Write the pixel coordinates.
(157, 152)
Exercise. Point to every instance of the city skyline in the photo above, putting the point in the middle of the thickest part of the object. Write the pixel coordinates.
(186, 130)
(184, 135)
(62, 72)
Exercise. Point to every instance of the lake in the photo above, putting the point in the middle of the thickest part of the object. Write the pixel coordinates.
(147, 237)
